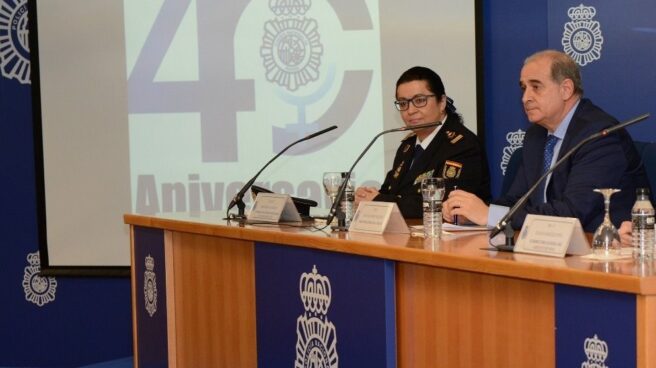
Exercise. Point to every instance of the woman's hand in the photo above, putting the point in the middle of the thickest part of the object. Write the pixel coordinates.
(365, 194)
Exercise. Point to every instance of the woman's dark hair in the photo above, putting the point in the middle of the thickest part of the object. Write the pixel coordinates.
(434, 81)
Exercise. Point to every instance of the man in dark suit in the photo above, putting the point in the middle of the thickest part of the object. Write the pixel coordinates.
(552, 99)
(449, 151)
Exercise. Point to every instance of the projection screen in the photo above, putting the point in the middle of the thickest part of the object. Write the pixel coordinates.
(171, 105)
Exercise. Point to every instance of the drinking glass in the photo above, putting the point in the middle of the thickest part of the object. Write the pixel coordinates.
(432, 192)
(606, 239)
(331, 182)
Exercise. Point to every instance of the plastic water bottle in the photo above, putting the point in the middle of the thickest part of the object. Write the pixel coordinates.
(432, 218)
(348, 203)
(432, 192)
(642, 217)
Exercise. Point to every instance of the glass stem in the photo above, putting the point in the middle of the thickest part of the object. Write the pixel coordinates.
(607, 208)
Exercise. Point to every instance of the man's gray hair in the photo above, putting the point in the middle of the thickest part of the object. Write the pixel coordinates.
(562, 67)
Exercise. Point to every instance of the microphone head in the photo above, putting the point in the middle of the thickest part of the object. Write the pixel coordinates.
(411, 127)
(322, 131)
(421, 126)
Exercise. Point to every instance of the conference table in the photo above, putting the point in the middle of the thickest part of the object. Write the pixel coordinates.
(207, 292)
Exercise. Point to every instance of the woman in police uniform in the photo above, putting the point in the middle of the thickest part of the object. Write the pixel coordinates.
(450, 150)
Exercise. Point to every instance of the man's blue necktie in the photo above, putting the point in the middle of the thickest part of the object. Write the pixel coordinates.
(546, 163)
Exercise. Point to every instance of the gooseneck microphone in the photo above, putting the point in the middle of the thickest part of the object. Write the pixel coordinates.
(334, 208)
(238, 198)
(503, 224)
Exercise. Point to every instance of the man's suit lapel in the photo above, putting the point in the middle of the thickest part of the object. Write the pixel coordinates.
(573, 131)
(533, 157)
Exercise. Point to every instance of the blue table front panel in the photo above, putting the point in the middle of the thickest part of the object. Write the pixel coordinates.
(595, 328)
(348, 318)
(150, 274)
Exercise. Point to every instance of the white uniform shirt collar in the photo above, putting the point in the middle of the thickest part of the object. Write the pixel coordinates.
(424, 144)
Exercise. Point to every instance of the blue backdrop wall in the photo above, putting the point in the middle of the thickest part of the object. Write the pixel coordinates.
(68, 322)
(44, 321)
(611, 41)
(513, 29)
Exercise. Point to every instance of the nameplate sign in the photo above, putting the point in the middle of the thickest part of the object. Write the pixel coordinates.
(378, 218)
(272, 207)
(552, 236)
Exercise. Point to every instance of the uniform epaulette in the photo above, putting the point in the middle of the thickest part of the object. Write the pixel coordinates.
(453, 136)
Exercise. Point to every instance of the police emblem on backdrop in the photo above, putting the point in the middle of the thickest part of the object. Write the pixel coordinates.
(150, 286)
(582, 39)
(316, 343)
(38, 290)
(451, 170)
(596, 351)
(291, 51)
(14, 45)
(515, 140)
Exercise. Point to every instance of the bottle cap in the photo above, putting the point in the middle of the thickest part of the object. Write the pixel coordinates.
(642, 191)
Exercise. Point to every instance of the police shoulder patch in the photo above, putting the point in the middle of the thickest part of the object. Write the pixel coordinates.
(452, 169)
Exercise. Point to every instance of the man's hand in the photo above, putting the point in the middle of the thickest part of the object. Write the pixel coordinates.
(625, 233)
(467, 206)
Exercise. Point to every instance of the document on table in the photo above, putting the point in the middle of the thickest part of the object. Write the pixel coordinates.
(449, 227)
(454, 228)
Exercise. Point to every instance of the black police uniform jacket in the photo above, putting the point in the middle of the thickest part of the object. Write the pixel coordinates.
(455, 154)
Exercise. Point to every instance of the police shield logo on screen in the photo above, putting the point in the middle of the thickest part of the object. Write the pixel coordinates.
(316, 344)
(14, 44)
(306, 72)
(291, 49)
(38, 290)
(582, 39)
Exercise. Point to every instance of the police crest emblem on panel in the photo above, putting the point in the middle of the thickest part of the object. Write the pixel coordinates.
(596, 350)
(582, 39)
(14, 44)
(150, 286)
(316, 343)
(38, 289)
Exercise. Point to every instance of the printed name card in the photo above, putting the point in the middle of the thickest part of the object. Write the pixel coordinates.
(552, 236)
(273, 207)
(377, 218)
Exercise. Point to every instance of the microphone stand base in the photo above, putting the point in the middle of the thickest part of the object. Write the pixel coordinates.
(339, 228)
(236, 217)
(509, 245)
(505, 248)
